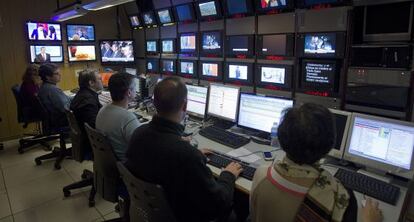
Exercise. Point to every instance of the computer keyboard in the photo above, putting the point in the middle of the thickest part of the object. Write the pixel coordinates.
(367, 185)
(224, 137)
(221, 160)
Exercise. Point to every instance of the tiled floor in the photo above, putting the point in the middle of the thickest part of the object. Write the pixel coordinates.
(34, 193)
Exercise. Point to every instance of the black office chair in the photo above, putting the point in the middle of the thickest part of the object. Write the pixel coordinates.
(79, 139)
(27, 114)
(58, 153)
(148, 202)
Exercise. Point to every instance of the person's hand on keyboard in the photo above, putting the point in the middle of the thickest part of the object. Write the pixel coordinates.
(206, 151)
(234, 168)
(371, 212)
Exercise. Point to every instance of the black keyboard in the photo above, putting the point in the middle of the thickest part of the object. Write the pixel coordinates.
(222, 160)
(224, 137)
(370, 186)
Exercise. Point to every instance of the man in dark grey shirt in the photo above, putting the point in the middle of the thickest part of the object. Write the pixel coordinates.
(51, 96)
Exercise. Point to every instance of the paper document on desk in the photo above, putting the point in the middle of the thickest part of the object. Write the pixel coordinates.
(244, 155)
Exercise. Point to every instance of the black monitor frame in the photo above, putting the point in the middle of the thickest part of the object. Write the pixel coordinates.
(241, 55)
(317, 88)
(250, 75)
(44, 41)
(112, 62)
(218, 78)
(303, 4)
(340, 41)
(218, 15)
(275, 10)
(186, 75)
(287, 86)
(168, 72)
(213, 52)
(70, 44)
(174, 41)
(157, 61)
(157, 45)
(249, 10)
(79, 41)
(290, 40)
(190, 53)
(170, 13)
(45, 44)
(192, 12)
(153, 16)
(139, 19)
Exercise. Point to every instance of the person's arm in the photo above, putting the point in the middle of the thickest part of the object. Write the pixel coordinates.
(351, 212)
(130, 126)
(89, 113)
(59, 99)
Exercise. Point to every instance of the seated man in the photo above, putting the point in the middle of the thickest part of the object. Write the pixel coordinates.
(51, 96)
(157, 153)
(114, 119)
(296, 188)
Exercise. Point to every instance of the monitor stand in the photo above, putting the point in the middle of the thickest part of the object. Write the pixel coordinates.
(222, 124)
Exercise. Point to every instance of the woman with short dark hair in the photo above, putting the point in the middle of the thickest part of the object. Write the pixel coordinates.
(30, 85)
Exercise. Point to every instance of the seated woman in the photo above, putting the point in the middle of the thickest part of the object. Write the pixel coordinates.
(30, 86)
(296, 188)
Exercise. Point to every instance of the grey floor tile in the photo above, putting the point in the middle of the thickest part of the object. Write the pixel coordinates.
(2, 186)
(111, 215)
(7, 219)
(104, 207)
(4, 205)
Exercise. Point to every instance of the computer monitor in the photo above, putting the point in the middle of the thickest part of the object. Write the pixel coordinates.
(261, 112)
(275, 45)
(274, 76)
(319, 75)
(135, 21)
(46, 54)
(152, 66)
(105, 78)
(211, 43)
(238, 8)
(223, 101)
(321, 45)
(82, 33)
(197, 100)
(187, 68)
(267, 6)
(117, 51)
(240, 73)
(342, 122)
(152, 46)
(168, 45)
(168, 67)
(149, 18)
(210, 71)
(208, 9)
(42, 31)
(165, 16)
(188, 43)
(382, 144)
(185, 13)
(240, 46)
(81, 53)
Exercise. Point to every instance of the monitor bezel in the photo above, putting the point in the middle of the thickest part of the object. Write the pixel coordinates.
(186, 75)
(139, 19)
(33, 41)
(218, 14)
(45, 44)
(372, 163)
(171, 16)
(250, 75)
(289, 46)
(195, 51)
(267, 85)
(237, 106)
(249, 10)
(340, 40)
(158, 66)
(69, 45)
(249, 54)
(192, 12)
(79, 41)
(154, 19)
(332, 88)
(112, 62)
(260, 10)
(205, 109)
(211, 52)
(339, 153)
(217, 78)
(174, 41)
(302, 3)
(156, 44)
(168, 72)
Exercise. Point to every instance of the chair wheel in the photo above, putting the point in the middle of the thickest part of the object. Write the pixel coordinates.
(20, 150)
(84, 176)
(91, 203)
(38, 162)
(66, 193)
(57, 166)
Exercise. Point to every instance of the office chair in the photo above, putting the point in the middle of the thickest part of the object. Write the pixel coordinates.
(79, 153)
(26, 115)
(148, 202)
(63, 134)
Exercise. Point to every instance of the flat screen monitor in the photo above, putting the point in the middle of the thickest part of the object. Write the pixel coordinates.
(197, 100)
(378, 27)
(241, 73)
(168, 66)
(381, 143)
(81, 53)
(261, 112)
(46, 54)
(149, 18)
(185, 13)
(238, 7)
(117, 51)
(80, 32)
(240, 45)
(152, 65)
(342, 122)
(152, 46)
(275, 45)
(319, 75)
(208, 9)
(321, 45)
(42, 31)
(274, 76)
(165, 16)
(105, 78)
(223, 101)
(187, 68)
(211, 71)
(269, 5)
(135, 21)
(188, 43)
(168, 45)
(211, 43)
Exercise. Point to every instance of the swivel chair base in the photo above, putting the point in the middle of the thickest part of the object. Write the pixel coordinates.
(36, 139)
(1, 146)
(59, 153)
(87, 180)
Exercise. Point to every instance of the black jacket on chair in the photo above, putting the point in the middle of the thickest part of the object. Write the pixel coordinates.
(157, 154)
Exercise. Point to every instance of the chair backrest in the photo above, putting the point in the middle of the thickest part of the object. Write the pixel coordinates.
(16, 92)
(148, 202)
(77, 137)
(106, 175)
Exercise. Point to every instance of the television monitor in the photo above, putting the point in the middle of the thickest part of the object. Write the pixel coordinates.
(188, 42)
(321, 45)
(81, 53)
(258, 112)
(382, 144)
(46, 54)
(152, 46)
(342, 122)
(238, 7)
(240, 73)
(210, 70)
(211, 43)
(209, 9)
(168, 46)
(149, 18)
(187, 68)
(319, 75)
(275, 45)
(223, 101)
(168, 66)
(197, 100)
(274, 76)
(117, 51)
(80, 32)
(152, 66)
(105, 78)
(378, 27)
(135, 21)
(240, 45)
(42, 31)
(185, 13)
(165, 16)
(263, 6)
